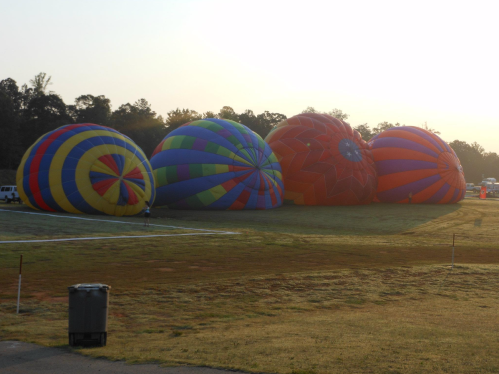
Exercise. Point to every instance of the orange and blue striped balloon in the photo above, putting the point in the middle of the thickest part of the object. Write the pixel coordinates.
(85, 168)
(415, 165)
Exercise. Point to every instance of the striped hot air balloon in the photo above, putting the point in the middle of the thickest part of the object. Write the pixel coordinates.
(216, 164)
(85, 168)
(324, 161)
(415, 165)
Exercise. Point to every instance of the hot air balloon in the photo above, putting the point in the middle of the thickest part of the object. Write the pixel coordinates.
(416, 166)
(216, 164)
(85, 168)
(324, 161)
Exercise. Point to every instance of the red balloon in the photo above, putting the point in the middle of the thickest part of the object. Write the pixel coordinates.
(324, 161)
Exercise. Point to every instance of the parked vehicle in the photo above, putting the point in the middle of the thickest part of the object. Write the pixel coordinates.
(490, 184)
(9, 194)
(470, 186)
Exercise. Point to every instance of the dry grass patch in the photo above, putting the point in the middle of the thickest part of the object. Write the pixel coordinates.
(407, 320)
(299, 291)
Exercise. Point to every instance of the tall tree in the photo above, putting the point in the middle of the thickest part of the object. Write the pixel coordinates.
(40, 84)
(11, 150)
(178, 117)
(43, 114)
(365, 131)
(336, 113)
(140, 123)
(472, 159)
(309, 109)
(91, 109)
(260, 124)
(267, 121)
(228, 113)
(10, 88)
(209, 114)
(383, 126)
(491, 164)
(427, 128)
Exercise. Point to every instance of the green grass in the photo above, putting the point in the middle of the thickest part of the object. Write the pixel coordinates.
(375, 219)
(300, 289)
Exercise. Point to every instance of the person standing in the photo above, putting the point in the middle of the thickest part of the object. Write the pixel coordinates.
(147, 214)
(410, 197)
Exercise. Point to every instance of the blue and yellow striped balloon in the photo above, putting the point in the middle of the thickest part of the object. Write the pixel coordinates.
(86, 168)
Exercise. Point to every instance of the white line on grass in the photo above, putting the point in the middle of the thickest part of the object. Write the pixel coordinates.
(106, 220)
(205, 231)
(114, 237)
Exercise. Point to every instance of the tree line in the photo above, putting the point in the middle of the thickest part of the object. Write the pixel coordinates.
(29, 111)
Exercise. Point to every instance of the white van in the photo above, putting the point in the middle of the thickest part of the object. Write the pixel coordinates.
(9, 193)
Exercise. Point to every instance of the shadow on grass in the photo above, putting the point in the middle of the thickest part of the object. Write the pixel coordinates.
(374, 219)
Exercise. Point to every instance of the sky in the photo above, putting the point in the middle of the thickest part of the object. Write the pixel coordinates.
(397, 61)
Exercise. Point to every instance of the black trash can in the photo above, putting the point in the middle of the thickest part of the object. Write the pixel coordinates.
(88, 305)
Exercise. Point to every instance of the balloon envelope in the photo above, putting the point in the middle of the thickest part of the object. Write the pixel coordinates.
(414, 162)
(216, 164)
(324, 161)
(85, 168)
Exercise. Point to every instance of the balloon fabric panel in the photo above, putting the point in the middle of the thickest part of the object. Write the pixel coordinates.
(216, 164)
(86, 168)
(324, 161)
(413, 161)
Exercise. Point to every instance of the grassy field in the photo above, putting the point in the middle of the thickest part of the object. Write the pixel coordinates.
(300, 290)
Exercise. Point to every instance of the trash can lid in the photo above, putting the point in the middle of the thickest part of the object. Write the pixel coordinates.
(89, 286)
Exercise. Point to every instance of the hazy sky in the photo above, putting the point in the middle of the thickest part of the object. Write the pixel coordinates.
(396, 61)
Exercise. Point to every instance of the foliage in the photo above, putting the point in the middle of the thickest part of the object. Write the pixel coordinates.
(178, 117)
(10, 150)
(261, 123)
(365, 131)
(228, 113)
(427, 128)
(140, 123)
(40, 84)
(91, 109)
(384, 126)
(27, 112)
(336, 113)
(477, 164)
(43, 114)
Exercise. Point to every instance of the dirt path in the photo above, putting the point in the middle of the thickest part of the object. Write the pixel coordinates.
(25, 358)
